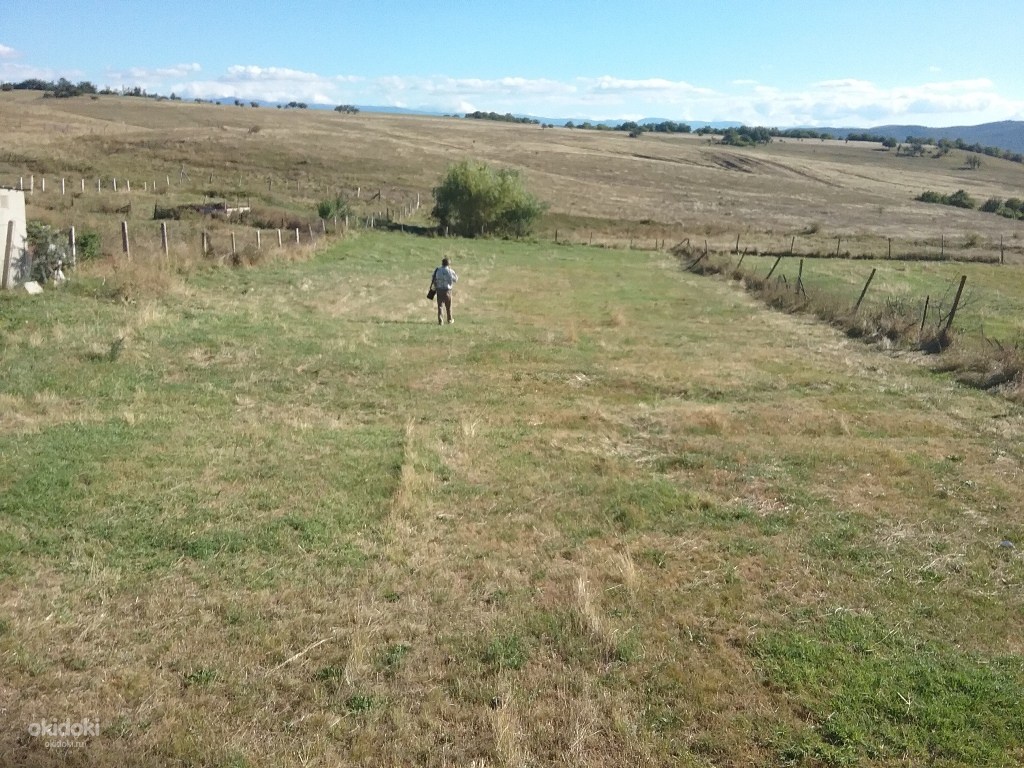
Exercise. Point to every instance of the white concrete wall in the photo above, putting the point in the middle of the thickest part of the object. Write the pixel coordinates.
(12, 208)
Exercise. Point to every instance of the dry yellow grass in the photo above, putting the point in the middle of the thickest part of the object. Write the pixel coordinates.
(602, 186)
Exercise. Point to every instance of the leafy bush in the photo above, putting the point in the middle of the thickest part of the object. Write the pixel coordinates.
(958, 199)
(473, 199)
(87, 245)
(49, 248)
(327, 209)
(992, 205)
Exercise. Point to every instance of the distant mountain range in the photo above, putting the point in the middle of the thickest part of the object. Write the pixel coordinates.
(1006, 134)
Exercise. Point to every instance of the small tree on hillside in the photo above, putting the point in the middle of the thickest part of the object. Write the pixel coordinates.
(473, 199)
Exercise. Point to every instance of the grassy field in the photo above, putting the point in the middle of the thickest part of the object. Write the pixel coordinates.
(618, 514)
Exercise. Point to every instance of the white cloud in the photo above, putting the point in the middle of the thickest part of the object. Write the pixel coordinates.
(269, 74)
(6, 52)
(839, 102)
(151, 80)
(251, 82)
(15, 73)
(859, 102)
(654, 85)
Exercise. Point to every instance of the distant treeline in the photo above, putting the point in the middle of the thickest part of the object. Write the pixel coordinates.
(913, 145)
(64, 89)
(943, 146)
(506, 118)
(633, 128)
(61, 89)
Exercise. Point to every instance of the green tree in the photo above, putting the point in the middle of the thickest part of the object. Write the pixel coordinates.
(474, 199)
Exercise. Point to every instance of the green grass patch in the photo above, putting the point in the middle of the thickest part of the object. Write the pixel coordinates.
(875, 693)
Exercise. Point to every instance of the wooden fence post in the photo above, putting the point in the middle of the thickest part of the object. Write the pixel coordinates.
(233, 249)
(125, 245)
(279, 243)
(259, 244)
(163, 237)
(772, 270)
(72, 245)
(956, 303)
(924, 315)
(737, 248)
(296, 235)
(8, 248)
(862, 293)
(800, 279)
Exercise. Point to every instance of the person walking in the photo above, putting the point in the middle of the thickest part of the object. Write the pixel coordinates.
(443, 281)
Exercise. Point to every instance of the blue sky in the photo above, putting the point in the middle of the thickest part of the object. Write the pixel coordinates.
(783, 63)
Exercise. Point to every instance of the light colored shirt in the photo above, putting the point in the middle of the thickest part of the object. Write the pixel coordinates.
(445, 278)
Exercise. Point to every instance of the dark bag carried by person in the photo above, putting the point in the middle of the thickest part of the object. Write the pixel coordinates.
(432, 292)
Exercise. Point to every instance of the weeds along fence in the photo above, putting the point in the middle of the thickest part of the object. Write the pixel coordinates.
(954, 309)
(178, 215)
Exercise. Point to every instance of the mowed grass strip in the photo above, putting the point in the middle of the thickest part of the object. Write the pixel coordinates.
(616, 514)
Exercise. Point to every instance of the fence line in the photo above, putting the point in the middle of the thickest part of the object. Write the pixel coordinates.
(968, 247)
(410, 200)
